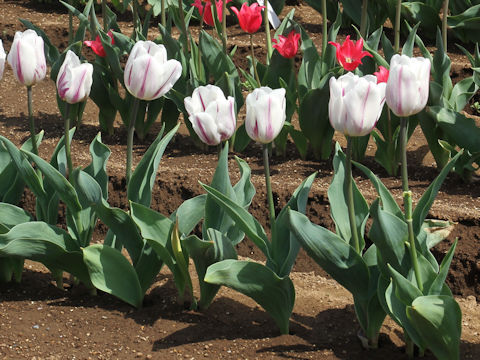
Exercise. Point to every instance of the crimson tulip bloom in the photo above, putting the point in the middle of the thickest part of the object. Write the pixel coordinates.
(97, 46)
(287, 46)
(382, 74)
(350, 54)
(249, 17)
(205, 10)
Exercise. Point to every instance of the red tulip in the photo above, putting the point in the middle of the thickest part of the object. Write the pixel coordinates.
(205, 10)
(350, 54)
(381, 74)
(249, 17)
(287, 46)
(97, 46)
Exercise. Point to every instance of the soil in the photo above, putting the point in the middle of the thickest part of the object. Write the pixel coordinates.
(39, 321)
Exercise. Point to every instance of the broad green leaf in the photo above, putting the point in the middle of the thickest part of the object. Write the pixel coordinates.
(388, 202)
(426, 201)
(462, 92)
(337, 196)
(181, 259)
(64, 189)
(404, 290)
(244, 189)
(243, 219)
(143, 178)
(47, 244)
(407, 48)
(332, 253)
(11, 215)
(439, 323)
(98, 166)
(189, 213)
(437, 285)
(276, 295)
(389, 233)
(111, 272)
(285, 246)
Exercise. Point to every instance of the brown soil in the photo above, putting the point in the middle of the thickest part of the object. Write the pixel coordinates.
(40, 321)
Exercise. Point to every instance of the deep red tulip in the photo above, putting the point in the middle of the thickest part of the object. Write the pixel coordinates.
(350, 54)
(249, 17)
(96, 45)
(205, 10)
(287, 46)
(381, 74)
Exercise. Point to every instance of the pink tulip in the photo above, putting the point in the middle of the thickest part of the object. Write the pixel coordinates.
(74, 79)
(148, 74)
(27, 58)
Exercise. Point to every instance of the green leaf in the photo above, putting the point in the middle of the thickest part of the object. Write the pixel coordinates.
(404, 290)
(313, 119)
(243, 219)
(285, 246)
(332, 253)
(143, 178)
(244, 189)
(205, 253)
(189, 213)
(462, 92)
(111, 272)
(276, 295)
(337, 196)
(98, 166)
(388, 202)
(11, 215)
(426, 201)
(437, 285)
(64, 189)
(439, 323)
(389, 233)
(47, 244)
(407, 48)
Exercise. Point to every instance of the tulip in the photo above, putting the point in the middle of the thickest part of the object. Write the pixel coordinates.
(27, 57)
(74, 79)
(249, 17)
(349, 54)
(265, 114)
(382, 74)
(211, 114)
(97, 46)
(287, 46)
(205, 10)
(407, 85)
(355, 104)
(2, 59)
(148, 75)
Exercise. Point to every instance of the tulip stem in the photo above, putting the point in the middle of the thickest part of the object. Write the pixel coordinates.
(67, 141)
(267, 32)
(131, 129)
(363, 23)
(164, 16)
(444, 25)
(104, 15)
(31, 120)
(407, 203)
(396, 43)
(254, 63)
(324, 27)
(266, 169)
(350, 202)
(224, 26)
(184, 27)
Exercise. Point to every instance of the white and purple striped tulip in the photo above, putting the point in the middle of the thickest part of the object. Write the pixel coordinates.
(407, 85)
(355, 103)
(148, 74)
(27, 57)
(265, 114)
(74, 79)
(2, 59)
(211, 114)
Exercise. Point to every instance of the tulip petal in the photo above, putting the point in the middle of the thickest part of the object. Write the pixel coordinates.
(205, 127)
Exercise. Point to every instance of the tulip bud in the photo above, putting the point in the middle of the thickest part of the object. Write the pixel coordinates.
(265, 114)
(74, 79)
(407, 85)
(287, 46)
(2, 59)
(27, 57)
(249, 17)
(148, 75)
(211, 114)
(355, 103)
